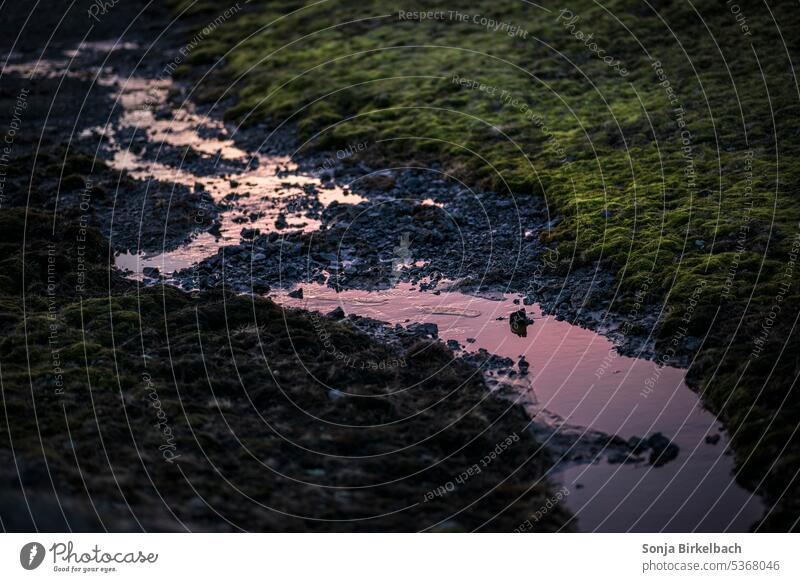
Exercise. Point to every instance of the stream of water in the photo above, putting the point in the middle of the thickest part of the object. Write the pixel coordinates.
(576, 381)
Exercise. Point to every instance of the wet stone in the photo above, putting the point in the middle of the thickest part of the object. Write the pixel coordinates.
(519, 322)
(337, 313)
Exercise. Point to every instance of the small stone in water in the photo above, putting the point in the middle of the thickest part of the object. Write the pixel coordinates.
(519, 322)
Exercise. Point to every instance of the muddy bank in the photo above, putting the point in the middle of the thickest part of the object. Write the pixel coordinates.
(219, 412)
(56, 157)
(134, 408)
(633, 449)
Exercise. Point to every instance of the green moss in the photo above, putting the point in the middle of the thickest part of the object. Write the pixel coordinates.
(388, 81)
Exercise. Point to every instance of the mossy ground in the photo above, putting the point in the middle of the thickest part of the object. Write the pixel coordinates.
(608, 152)
(85, 353)
(93, 379)
(676, 176)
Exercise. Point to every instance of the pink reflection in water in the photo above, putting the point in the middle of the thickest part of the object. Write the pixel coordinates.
(265, 189)
(576, 375)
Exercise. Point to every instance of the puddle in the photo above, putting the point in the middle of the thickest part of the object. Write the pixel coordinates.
(261, 192)
(183, 257)
(576, 383)
(431, 202)
(576, 378)
(101, 46)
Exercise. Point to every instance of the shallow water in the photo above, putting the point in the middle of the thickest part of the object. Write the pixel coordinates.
(576, 376)
(265, 187)
(576, 381)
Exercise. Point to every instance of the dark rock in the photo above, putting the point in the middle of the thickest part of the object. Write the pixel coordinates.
(297, 293)
(337, 313)
(636, 445)
(617, 457)
(519, 323)
(427, 329)
(662, 450)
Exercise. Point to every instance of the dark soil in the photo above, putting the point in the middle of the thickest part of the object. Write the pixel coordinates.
(130, 408)
(264, 428)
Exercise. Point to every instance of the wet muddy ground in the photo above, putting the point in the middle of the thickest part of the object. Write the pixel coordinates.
(396, 252)
(602, 414)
